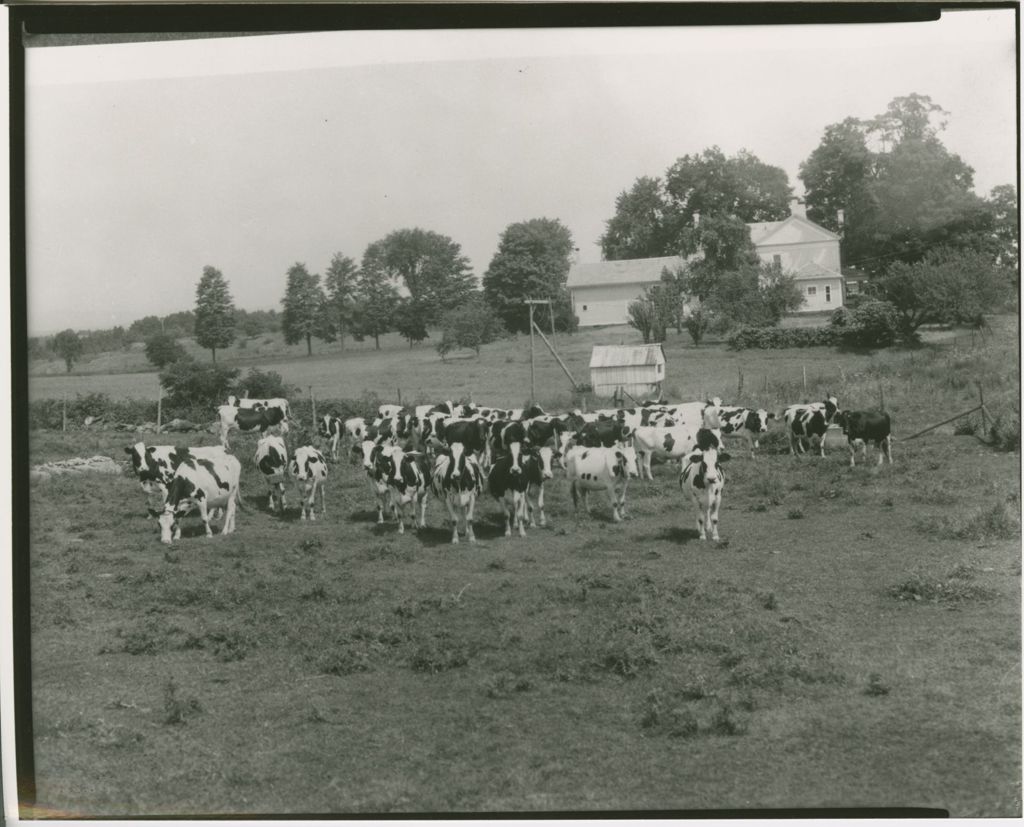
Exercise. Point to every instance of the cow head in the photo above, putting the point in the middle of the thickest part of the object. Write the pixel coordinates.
(544, 456)
(136, 455)
(711, 414)
(757, 421)
(831, 408)
(367, 447)
(626, 462)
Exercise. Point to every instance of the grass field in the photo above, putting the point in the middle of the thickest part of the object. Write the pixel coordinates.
(854, 640)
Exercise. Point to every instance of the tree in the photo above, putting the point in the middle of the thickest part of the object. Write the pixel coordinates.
(653, 312)
(305, 314)
(340, 284)
(431, 266)
(901, 191)
(376, 301)
(68, 346)
(196, 387)
(142, 329)
(532, 261)
(947, 286)
(409, 321)
(1002, 202)
(162, 349)
(470, 325)
(650, 219)
(215, 312)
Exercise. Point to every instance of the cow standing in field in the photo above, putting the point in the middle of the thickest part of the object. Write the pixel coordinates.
(155, 465)
(406, 484)
(514, 488)
(702, 477)
(470, 433)
(272, 461)
(202, 484)
(457, 480)
(808, 423)
(601, 469)
(377, 474)
(746, 423)
(603, 433)
(309, 470)
(860, 427)
(666, 444)
(245, 419)
(333, 429)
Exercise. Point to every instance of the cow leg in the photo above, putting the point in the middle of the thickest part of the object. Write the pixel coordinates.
(454, 518)
(715, 502)
(311, 502)
(540, 506)
(423, 508)
(323, 500)
(886, 449)
(229, 514)
(853, 453)
(615, 504)
(399, 507)
(701, 520)
(469, 519)
(520, 506)
(648, 457)
(204, 515)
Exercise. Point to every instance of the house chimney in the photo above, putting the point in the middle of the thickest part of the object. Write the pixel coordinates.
(797, 208)
(696, 219)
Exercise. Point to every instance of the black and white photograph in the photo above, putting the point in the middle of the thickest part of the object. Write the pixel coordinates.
(439, 420)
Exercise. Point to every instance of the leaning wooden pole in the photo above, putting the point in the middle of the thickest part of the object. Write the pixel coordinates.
(64, 413)
(939, 424)
(312, 405)
(558, 358)
(533, 376)
(159, 407)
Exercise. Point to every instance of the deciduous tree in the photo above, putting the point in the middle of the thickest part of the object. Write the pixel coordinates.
(340, 283)
(215, 312)
(470, 325)
(304, 314)
(68, 346)
(532, 261)
(162, 349)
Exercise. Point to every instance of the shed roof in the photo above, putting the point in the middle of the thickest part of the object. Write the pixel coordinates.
(620, 356)
(813, 270)
(623, 271)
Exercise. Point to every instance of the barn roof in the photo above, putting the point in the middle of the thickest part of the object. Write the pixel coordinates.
(624, 271)
(621, 356)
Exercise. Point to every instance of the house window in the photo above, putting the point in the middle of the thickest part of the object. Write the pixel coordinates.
(828, 293)
(584, 307)
(812, 291)
(777, 259)
(852, 288)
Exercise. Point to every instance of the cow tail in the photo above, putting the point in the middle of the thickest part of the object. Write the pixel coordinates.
(240, 502)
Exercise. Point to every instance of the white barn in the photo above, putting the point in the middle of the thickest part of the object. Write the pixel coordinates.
(639, 370)
(601, 291)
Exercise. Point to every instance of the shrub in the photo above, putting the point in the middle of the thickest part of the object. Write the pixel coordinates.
(162, 349)
(262, 384)
(772, 338)
(470, 325)
(196, 389)
(871, 324)
(1004, 433)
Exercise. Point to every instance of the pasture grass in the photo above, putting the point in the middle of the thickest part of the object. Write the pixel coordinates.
(336, 667)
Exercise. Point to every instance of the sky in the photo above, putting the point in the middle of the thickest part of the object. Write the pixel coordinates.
(147, 161)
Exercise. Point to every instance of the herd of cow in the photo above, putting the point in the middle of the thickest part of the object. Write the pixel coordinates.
(459, 450)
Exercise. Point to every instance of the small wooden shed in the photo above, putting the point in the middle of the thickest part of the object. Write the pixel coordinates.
(639, 370)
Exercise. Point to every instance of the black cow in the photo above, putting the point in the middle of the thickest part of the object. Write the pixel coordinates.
(472, 433)
(862, 426)
(603, 433)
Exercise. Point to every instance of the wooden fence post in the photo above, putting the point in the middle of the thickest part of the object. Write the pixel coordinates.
(312, 402)
(984, 412)
(805, 378)
(64, 413)
(159, 407)
(739, 388)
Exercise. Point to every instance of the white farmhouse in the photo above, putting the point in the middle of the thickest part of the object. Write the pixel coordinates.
(601, 291)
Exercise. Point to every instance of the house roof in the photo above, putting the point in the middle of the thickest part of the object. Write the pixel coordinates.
(813, 270)
(624, 271)
(648, 270)
(620, 356)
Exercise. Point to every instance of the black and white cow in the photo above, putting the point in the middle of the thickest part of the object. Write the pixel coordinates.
(272, 461)
(155, 465)
(309, 470)
(746, 423)
(246, 403)
(406, 485)
(703, 478)
(809, 422)
(202, 484)
(457, 480)
(471, 433)
(332, 429)
(511, 486)
(249, 419)
(666, 444)
(861, 427)
(601, 469)
(389, 411)
(377, 473)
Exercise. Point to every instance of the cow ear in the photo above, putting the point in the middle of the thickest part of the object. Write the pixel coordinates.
(723, 456)
(153, 512)
(697, 456)
(772, 415)
(128, 450)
